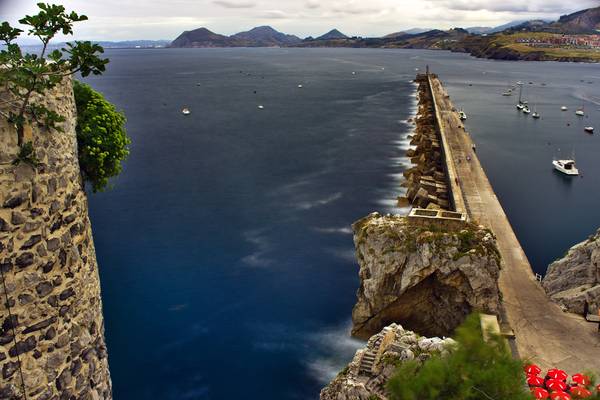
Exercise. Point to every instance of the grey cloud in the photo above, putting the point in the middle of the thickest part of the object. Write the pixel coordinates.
(234, 4)
(515, 6)
(312, 4)
(275, 14)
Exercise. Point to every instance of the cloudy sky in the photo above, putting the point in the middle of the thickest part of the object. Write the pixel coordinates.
(156, 19)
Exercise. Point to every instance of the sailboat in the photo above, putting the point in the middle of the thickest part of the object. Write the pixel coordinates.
(535, 114)
(580, 111)
(520, 104)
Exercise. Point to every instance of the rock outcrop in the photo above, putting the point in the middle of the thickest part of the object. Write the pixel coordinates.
(426, 180)
(424, 275)
(574, 280)
(370, 369)
(51, 326)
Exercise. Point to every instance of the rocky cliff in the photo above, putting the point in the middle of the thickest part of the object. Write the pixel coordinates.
(51, 326)
(574, 280)
(368, 372)
(425, 276)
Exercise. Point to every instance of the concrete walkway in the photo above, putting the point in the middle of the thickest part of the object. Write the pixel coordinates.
(544, 333)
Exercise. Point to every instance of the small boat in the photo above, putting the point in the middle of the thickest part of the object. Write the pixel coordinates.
(353, 73)
(526, 110)
(567, 167)
(563, 108)
(535, 115)
(520, 103)
(300, 86)
(260, 107)
(589, 129)
(462, 115)
(580, 112)
(507, 93)
(186, 111)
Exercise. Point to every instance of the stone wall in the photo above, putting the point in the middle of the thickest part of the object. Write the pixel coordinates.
(51, 326)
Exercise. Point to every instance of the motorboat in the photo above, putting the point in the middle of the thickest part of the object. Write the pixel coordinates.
(300, 86)
(589, 129)
(563, 108)
(186, 111)
(580, 112)
(462, 115)
(567, 167)
(260, 107)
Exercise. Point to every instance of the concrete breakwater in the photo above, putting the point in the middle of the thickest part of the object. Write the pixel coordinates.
(427, 180)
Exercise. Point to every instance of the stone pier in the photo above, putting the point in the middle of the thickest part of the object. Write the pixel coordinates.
(543, 333)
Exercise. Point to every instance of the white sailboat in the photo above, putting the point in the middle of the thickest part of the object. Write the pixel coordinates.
(580, 112)
(186, 111)
(589, 129)
(520, 104)
(563, 108)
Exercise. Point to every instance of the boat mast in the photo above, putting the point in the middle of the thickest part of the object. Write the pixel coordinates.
(520, 91)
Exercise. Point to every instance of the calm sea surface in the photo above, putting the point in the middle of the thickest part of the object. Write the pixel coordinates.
(225, 247)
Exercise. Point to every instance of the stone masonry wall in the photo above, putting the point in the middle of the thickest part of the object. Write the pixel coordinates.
(51, 326)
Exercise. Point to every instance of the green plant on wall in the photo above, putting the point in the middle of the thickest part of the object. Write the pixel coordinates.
(26, 74)
(474, 370)
(101, 138)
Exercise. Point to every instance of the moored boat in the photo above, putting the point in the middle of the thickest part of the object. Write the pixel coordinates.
(589, 129)
(186, 111)
(567, 167)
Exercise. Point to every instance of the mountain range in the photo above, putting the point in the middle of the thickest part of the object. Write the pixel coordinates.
(501, 42)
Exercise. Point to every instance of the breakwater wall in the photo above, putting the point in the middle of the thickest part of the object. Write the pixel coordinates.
(51, 325)
(432, 183)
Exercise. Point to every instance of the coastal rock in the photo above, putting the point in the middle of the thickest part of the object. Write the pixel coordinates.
(368, 372)
(426, 276)
(574, 280)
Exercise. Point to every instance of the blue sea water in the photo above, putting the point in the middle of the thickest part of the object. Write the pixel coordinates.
(225, 248)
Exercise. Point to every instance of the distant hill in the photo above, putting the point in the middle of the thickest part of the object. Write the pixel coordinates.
(261, 36)
(478, 30)
(584, 21)
(265, 36)
(332, 35)
(201, 37)
(395, 35)
(416, 31)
